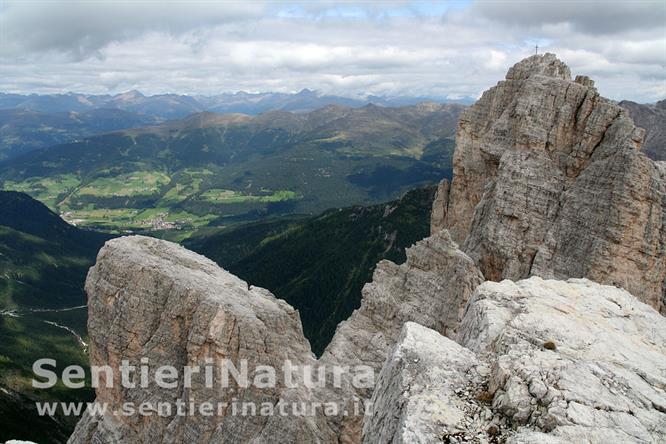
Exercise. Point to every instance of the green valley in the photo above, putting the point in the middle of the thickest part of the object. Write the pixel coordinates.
(320, 264)
(43, 265)
(211, 169)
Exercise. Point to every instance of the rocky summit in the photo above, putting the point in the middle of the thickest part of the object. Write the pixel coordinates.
(549, 182)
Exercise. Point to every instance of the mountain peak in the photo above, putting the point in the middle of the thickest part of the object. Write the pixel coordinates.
(541, 124)
(539, 64)
(372, 106)
(133, 94)
(306, 92)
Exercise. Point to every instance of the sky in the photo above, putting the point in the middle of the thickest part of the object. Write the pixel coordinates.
(442, 49)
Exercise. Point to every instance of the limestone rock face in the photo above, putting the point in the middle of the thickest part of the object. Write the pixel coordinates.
(440, 207)
(156, 300)
(537, 361)
(549, 181)
(430, 288)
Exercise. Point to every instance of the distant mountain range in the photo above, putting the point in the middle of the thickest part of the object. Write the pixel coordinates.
(24, 130)
(30, 122)
(174, 106)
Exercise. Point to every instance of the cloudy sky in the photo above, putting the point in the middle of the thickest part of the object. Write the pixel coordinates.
(447, 49)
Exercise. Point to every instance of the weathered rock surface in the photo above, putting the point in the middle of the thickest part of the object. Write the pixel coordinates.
(652, 118)
(549, 181)
(430, 288)
(439, 207)
(575, 359)
(553, 361)
(420, 390)
(156, 300)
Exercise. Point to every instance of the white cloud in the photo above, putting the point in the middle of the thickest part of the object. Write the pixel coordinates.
(439, 49)
(79, 28)
(587, 16)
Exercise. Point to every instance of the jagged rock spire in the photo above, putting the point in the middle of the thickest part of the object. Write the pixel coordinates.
(549, 180)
